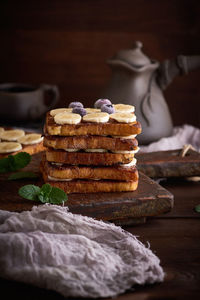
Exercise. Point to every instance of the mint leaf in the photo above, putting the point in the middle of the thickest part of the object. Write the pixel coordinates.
(14, 162)
(197, 208)
(57, 196)
(30, 192)
(21, 160)
(45, 192)
(22, 175)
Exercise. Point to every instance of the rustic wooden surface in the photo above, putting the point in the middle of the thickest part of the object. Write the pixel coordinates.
(169, 163)
(174, 237)
(68, 42)
(149, 199)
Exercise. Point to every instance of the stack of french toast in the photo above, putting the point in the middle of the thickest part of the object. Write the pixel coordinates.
(90, 150)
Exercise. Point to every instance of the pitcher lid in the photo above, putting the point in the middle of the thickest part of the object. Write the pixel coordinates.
(133, 56)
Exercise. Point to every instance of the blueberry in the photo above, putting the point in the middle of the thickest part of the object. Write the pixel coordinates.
(75, 104)
(108, 108)
(100, 102)
(79, 110)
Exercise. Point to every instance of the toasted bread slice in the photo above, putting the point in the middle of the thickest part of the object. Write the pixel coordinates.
(62, 172)
(90, 142)
(31, 149)
(111, 127)
(82, 158)
(91, 186)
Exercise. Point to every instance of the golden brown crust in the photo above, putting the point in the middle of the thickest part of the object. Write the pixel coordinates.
(82, 158)
(91, 172)
(31, 149)
(84, 128)
(90, 142)
(92, 186)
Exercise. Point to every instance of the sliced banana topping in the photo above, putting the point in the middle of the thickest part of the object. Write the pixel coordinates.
(12, 135)
(67, 118)
(8, 147)
(132, 136)
(71, 150)
(58, 179)
(96, 150)
(56, 111)
(99, 117)
(30, 139)
(123, 117)
(92, 110)
(126, 151)
(124, 108)
(132, 163)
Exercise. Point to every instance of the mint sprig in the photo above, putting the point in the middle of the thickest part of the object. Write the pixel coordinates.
(45, 194)
(14, 162)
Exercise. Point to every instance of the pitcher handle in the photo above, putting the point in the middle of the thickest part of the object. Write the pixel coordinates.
(53, 91)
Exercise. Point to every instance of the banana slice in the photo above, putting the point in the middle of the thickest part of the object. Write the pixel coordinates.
(123, 117)
(124, 108)
(92, 110)
(132, 136)
(8, 147)
(71, 150)
(12, 135)
(30, 139)
(56, 111)
(99, 117)
(132, 163)
(96, 150)
(127, 151)
(67, 118)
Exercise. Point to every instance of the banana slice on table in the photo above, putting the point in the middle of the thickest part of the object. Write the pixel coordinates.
(67, 118)
(8, 147)
(123, 117)
(99, 117)
(12, 135)
(92, 110)
(56, 111)
(30, 139)
(124, 108)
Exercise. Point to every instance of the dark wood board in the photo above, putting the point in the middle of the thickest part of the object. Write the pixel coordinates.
(125, 208)
(169, 164)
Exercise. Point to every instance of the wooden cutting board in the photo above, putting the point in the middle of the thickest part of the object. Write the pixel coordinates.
(125, 208)
(169, 163)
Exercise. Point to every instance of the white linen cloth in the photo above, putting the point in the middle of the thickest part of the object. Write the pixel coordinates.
(74, 255)
(186, 134)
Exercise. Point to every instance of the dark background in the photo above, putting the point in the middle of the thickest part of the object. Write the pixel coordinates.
(67, 42)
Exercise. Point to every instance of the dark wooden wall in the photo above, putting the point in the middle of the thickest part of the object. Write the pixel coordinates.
(67, 42)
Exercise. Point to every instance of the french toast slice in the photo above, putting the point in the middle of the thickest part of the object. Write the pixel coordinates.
(111, 127)
(83, 158)
(90, 186)
(90, 142)
(64, 171)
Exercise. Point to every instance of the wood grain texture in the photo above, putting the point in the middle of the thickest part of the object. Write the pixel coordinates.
(68, 42)
(169, 164)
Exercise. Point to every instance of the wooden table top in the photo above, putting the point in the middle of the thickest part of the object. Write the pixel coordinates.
(174, 237)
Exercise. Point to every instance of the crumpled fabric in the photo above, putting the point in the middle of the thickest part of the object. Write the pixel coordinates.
(76, 256)
(181, 135)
